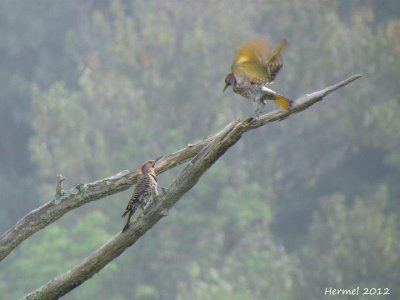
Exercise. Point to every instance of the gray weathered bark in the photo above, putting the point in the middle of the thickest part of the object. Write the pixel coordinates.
(205, 154)
(82, 194)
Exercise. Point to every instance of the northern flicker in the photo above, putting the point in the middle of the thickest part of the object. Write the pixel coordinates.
(144, 192)
(255, 65)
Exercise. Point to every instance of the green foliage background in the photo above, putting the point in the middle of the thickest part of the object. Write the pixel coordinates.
(90, 88)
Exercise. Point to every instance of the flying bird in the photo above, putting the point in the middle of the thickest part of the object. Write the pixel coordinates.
(255, 66)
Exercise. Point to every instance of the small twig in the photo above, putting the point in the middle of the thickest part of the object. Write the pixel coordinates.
(59, 187)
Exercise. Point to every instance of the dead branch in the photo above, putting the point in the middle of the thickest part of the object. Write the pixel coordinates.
(203, 154)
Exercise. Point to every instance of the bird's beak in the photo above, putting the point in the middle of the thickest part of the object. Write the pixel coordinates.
(157, 159)
(226, 85)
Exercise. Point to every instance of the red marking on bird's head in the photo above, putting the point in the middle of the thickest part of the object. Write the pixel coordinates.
(148, 165)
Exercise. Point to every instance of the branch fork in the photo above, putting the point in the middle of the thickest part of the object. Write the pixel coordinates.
(202, 155)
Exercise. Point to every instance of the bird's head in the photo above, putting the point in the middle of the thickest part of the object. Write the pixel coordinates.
(229, 80)
(148, 166)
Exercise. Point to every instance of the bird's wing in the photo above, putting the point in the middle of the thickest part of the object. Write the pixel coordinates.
(138, 191)
(248, 64)
(274, 61)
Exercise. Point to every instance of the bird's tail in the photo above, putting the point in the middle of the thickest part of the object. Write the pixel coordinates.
(130, 207)
(124, 214)
(126, 225)
(283, 102)
(131, 210)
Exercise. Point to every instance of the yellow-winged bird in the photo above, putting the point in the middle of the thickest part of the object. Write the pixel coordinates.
(255, 65)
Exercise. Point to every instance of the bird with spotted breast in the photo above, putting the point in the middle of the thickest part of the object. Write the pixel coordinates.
(256, 65)
(144, 192)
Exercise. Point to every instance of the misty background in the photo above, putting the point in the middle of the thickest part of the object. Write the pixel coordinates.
(90, 88)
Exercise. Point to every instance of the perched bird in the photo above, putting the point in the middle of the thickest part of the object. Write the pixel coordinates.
(254, 67)
(144, 191)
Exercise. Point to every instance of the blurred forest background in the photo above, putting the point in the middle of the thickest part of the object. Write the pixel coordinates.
(90, 88)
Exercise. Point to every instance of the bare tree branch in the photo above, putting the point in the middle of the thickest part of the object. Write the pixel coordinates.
(82, 194)
(85, 193)
(205, 154)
